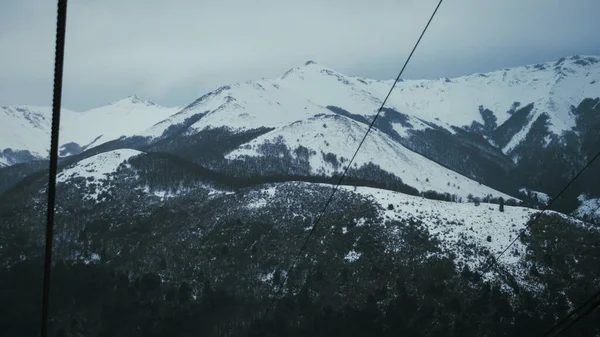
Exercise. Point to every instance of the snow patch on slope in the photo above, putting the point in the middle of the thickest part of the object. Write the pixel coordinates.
(352, 256)
(541, 196)
(98, 166)
(97, 171)
(244, 106)
(260, 198)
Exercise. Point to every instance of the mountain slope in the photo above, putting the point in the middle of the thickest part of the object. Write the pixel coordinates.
(324, 138)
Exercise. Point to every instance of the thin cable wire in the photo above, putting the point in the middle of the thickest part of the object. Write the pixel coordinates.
(59, 54)
(335, 189)
(591, 309)
(530, 224)
(556, 328)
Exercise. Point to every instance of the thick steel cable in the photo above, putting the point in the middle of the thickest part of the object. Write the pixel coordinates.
(59, 54)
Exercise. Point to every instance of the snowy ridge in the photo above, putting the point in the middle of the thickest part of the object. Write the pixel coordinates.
(327, 87)
(340, 136)
(244, 106)
(306, 91)
(553, 87)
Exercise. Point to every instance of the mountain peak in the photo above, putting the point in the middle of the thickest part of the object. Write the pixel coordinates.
(133, 99)
(309, 67)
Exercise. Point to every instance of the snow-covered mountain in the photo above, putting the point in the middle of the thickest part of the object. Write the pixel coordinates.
(553, 88)
(480, 125)
(302, 92)
(499, 128)
(25, 130)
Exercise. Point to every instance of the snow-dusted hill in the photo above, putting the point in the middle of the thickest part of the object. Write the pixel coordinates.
(465, 230)
(246, 241)
(96, 172)
(27, 128)
(98, 166)
(456, 225)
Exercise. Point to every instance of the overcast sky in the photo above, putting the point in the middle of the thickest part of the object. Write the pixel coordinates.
(173, 51)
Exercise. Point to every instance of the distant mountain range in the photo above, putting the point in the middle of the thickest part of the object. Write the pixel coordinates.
(25, 129)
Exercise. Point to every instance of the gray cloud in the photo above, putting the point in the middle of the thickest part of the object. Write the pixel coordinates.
(173, 51)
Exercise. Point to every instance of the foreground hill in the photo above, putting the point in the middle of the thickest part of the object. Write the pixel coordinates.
(171, 240)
